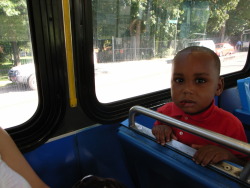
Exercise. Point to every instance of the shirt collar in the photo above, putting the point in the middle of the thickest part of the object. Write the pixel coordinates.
(177, 112)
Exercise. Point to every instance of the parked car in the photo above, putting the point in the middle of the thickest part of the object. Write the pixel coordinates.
(222, 49)
(206, 43)
(23, 74)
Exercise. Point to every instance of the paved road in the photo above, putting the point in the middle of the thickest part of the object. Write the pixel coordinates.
(17, 105)
(114, 81)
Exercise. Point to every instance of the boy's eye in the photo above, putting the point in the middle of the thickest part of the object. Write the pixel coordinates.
(200, 80)
(179, 80)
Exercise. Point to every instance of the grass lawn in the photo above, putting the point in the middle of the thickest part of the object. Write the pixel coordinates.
(4, 68)
(6, 65)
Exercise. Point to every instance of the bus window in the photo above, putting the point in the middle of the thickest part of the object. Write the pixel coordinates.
(18, 89)
(135, 41)
(245, 39)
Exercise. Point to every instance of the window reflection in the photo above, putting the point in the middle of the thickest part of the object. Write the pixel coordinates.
(135, 41)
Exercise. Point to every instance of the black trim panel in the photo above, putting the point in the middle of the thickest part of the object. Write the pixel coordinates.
(46, 25)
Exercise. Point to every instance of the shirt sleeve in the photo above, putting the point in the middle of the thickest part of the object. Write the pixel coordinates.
(10, 178)
(237, 131)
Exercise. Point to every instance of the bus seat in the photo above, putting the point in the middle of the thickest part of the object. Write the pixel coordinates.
(101, 154)
(244, 92)
(243, 113)
(152, 165)
(226, 102)
(57, 166)
(94, 150)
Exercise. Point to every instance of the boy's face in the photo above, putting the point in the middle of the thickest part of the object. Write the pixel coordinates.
(195, 81)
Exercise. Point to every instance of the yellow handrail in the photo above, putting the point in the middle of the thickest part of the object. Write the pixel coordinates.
(69, 53)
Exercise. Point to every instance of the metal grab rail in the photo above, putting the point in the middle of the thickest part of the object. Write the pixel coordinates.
(210, 135)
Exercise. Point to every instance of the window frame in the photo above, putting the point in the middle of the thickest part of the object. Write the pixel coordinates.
(46, 26)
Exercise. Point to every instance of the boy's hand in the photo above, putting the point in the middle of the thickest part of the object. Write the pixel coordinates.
(211, 154)
(163, 134)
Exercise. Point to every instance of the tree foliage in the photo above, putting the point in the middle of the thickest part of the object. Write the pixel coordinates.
(239, 19)
(14, 21)
(170, 20)
(164, 20)
(219, 13)
(13, 7)
(14, 26)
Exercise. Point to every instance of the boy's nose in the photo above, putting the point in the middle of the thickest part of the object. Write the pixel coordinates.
(187, 91)
(188, 88)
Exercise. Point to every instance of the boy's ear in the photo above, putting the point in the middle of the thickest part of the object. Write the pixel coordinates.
(220, 86)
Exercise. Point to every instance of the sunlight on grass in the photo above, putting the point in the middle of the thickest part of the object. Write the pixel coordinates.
(4, 68)
(4, 78)
(4, 83)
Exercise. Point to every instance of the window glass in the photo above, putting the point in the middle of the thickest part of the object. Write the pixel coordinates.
(136, 40)
(18, 94)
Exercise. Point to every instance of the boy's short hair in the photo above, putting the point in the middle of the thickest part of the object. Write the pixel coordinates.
(200, 49)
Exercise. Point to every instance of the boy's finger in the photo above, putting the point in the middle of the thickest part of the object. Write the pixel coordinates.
(166, 135)
(207, 159)
(196, 146)
(155, 132)
(173, 136)
(163, 139)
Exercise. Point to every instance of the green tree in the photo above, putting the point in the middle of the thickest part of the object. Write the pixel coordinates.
(150, 19)
(195, 19)
(14, 24)
(165, 32)
(219, 16)
(239, 19)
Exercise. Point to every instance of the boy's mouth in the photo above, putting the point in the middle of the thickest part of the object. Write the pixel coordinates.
(187, 103)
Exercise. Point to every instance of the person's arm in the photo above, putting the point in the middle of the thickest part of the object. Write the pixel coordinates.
(211, 154)
(11, 155)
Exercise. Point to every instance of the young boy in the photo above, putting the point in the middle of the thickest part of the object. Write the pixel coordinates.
(194, 83)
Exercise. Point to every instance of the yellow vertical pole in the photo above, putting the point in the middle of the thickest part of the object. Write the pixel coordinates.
(69, 53)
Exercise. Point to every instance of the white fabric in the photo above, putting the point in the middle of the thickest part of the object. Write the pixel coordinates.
(9, 178)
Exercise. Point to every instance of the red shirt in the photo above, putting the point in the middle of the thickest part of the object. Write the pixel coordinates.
(214, 119)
